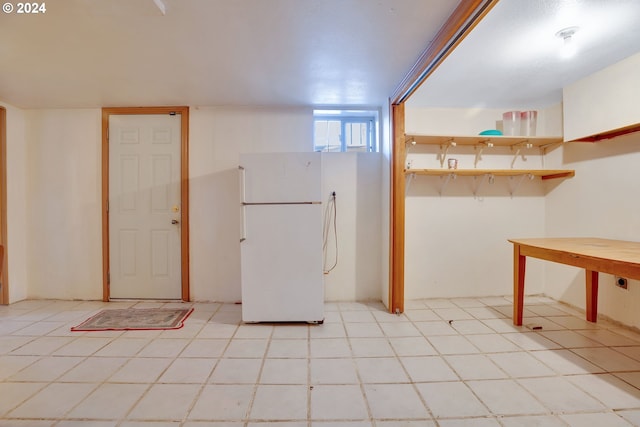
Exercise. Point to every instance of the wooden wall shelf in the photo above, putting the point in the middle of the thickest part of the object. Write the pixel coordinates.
(489, 175)
(542, 173)
(610, 134)
(496, 140)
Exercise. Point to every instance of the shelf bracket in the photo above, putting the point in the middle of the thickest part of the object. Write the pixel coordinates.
(479, 149)
(408, 144)
(519, 178)
(410, 179)
(519, 146)
(444, 149)
(488, 177)
(446, 180)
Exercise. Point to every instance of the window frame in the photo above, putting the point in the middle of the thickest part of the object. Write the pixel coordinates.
(345, 117)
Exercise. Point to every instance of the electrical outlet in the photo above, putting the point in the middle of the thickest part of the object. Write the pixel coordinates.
(621, 282)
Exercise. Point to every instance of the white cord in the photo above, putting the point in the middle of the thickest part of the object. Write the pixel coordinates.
(330, 216)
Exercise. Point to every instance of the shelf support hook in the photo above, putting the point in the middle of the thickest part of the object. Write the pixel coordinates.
(446, 178)
(521, 178)
(479, 149)
(408, 144)
(486, 177)
(519, 146)
(444, 149)
(410, 179)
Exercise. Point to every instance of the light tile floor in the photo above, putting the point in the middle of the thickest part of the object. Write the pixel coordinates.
(444, 362)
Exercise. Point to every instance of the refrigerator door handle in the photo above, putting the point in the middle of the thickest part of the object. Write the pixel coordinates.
(243, 184)
(243, 224)
(243, 221)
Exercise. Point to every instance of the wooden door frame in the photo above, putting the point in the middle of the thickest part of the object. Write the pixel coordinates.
(463, 19)
(4, 279)
(184, 189)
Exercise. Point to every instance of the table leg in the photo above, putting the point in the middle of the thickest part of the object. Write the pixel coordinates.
(592, 295)
(519, 264)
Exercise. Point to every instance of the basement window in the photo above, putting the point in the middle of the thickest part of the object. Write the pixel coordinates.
(345, 130)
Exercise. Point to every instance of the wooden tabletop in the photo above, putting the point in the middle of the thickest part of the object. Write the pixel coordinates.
(592, 250)
(621, 250)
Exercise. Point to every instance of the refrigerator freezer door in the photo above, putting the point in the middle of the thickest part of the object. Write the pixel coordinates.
(281, 177)
(281, 263)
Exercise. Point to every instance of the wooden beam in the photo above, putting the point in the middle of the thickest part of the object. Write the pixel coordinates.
(184, 203)
(4, 278)
(460, 23)
(105, 204)
(396, 239)
(610, 134)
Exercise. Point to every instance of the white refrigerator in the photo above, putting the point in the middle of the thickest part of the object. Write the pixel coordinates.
(281, 237)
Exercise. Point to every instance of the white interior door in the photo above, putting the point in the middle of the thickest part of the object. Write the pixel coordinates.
(144, 206)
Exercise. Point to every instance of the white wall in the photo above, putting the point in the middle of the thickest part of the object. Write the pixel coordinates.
(218, 136)
(604, 101)
(17, 206)
(600, 201)
(64, 242)
(355, 177)
(457, 230)
(385, 193)
(472, 121)
(54, 193)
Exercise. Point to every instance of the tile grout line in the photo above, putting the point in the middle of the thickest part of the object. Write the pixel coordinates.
(357, 371)
(206, 381)
(406, 372)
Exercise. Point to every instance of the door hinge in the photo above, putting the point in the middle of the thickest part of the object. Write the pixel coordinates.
(108, 277)
(107, 206)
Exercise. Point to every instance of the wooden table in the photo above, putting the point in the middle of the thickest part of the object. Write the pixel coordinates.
(617, 257)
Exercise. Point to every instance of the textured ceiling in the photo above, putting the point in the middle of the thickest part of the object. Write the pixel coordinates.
(512, 58)
(91, 53)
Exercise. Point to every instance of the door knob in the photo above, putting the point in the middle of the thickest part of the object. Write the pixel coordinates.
(174, 221)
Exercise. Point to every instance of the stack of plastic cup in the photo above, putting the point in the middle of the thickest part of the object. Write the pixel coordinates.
(511, 123)
(528, 120)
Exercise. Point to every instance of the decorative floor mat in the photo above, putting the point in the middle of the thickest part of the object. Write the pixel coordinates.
(132, 319)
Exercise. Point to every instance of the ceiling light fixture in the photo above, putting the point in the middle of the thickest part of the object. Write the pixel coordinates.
(568, 48)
